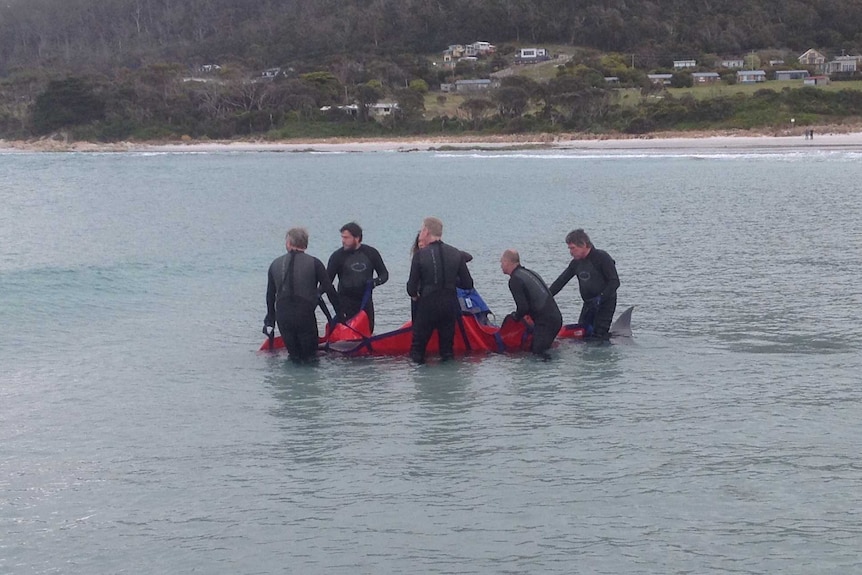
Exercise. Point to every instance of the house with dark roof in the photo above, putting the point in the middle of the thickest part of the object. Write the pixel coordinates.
(791, 74)
(705, 77)
(750, 76)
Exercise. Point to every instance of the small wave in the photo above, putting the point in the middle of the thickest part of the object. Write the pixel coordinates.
(780, 155)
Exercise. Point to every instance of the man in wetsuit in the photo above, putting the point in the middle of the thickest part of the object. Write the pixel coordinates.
(532, 298)
(436, 271)
(355, 264)
(598, 282)
(295, 281)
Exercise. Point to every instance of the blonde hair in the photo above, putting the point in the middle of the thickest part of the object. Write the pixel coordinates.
(434, 226)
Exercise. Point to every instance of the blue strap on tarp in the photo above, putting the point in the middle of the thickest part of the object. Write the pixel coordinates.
(369, 287)
(499, 339)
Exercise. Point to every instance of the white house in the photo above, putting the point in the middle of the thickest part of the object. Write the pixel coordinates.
(378, 110)
(479, 85)
(705, 77)
(479, 49)
(660, 79)
(814, 59)
(750, 76)
(843, 64)
(733, 63)
(527, 55)
(382, 109)
(683, 64)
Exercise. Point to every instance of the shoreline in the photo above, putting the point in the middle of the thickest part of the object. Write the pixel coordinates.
(825, 138)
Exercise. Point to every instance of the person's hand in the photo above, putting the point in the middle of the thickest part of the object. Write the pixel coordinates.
(594, 303)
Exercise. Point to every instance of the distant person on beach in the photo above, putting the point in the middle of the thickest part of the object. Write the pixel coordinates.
(435, 272)
(597, 280)
(533, 298)
(355, 264)
(294, 282)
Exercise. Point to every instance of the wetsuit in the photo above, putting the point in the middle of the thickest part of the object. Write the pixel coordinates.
(435, 272)
(291, 297)
(533, 298)
(355, 268)
(413, 303)
(597, 276)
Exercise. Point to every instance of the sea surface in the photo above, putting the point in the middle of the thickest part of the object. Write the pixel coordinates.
(141, 432)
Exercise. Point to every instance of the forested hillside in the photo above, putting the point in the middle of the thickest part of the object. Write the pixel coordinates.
(147, 69)
(95, 35)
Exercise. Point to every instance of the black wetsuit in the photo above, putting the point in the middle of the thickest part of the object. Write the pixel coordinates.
(597, 276)
(295, 281)
(413, 303)
(533, 298)
(435, 272)
(355, 268)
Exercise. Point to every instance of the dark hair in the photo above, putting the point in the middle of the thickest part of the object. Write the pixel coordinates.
(354, 230)
(578, 237)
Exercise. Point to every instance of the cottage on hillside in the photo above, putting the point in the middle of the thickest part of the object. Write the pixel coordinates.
(479, 49)
(705, 77)
(750, 76)
(843, 64)
(791, 74)
(479, 85)
(814, 59)
(531, 55)
(733, 63)
(683, 64)
(375, 111)
(660, 79)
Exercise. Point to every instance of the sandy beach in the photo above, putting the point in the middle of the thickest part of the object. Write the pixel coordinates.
(825, 138)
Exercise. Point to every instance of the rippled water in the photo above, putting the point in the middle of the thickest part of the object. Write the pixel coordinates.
(141, 433)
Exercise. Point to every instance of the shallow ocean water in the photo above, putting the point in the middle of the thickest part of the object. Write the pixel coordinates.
(140, 431)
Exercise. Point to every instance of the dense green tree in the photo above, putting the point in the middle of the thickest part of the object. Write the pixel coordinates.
(325, 86)
(65, 103)
(681, 80)
(476, 109)
(411, 103)
(419, 86)
(511, 101)
(367, 95)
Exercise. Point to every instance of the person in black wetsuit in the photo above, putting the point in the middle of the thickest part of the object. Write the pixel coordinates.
(533, 298)
(295, 281)
(598, 282)
(355, 265)
(436, 270)
(417, 245)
